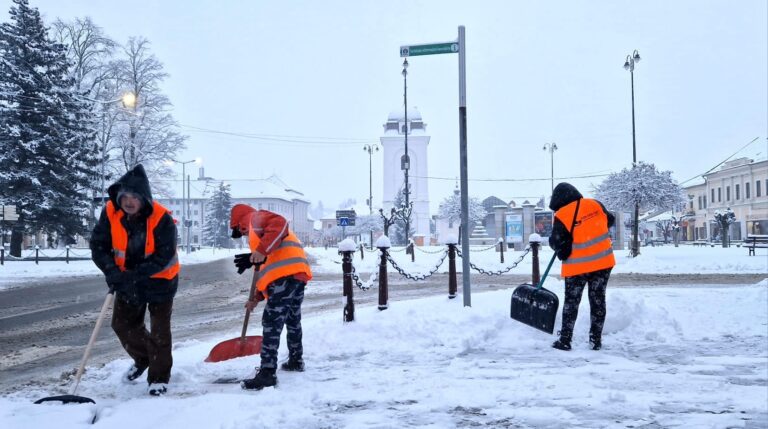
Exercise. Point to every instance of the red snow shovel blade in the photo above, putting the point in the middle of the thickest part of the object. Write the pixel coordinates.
(235, 348)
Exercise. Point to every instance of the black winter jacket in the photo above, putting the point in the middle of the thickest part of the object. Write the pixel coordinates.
(561, 241)
(147, 289)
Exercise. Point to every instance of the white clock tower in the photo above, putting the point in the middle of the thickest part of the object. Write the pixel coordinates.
(393, 142)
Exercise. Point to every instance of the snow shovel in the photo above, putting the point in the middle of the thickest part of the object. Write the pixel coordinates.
(242, 345)
(534, 305)
(72, 398)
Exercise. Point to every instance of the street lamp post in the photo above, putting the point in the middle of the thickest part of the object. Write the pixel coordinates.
(629, 65)
(406, 165)
(370, 148)
(185, 224)
(551, 147)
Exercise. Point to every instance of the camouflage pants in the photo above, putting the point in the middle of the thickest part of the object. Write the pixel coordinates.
(574, 286)
(283, 308)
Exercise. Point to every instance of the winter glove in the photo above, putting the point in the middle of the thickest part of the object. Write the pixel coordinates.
(243, 262)
(122, 281)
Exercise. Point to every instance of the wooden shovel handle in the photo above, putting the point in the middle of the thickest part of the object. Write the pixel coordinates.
(252, 293)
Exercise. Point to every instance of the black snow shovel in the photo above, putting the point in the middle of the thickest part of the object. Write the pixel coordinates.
(534, 305)
(72, 398)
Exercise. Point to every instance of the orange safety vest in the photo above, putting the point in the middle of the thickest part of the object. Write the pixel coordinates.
(592, 248)
(288, 259)
(120, 239)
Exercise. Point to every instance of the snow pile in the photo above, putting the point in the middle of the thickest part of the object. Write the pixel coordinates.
(688, 357)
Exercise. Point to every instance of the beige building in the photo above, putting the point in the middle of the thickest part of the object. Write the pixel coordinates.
(742, 186)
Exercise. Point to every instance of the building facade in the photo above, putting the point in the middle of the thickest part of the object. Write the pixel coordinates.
(263, 194)
(742, 186)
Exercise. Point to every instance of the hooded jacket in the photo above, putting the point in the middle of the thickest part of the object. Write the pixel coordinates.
(148, 289)
(268, 234)
(561, 240)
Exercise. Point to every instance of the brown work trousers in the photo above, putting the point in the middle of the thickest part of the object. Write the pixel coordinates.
(149, 349)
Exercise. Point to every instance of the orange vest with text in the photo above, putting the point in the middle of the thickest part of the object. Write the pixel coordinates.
(120, 239)
(288, 259)
(592, 248)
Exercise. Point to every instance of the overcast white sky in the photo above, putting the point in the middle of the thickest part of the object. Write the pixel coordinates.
(537, 72)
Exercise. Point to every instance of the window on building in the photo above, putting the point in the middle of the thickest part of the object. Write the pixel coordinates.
(259, 206)
(719, 194)
(700, 206)
(746, 191)
(737, 192)
(196, 223)
(194, 239)
(713, 195)
(705, 201)
(757, 188)
(727, 193)
(271, 207)
(195, 213)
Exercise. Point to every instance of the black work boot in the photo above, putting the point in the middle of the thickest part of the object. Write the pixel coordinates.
(134, 372)
(264, 378)
(296, 365)
(564, 343)
(595, 342)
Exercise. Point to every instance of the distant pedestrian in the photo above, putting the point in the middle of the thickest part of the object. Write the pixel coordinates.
(581, 240)
(134, 244)
(283, 274)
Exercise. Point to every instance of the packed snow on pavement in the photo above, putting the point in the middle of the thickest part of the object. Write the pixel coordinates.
(691, 356)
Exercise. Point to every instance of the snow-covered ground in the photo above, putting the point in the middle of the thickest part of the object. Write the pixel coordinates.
(16, 273)
(673, 357)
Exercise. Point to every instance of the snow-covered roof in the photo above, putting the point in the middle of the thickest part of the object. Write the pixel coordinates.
(271, 187)
(398, 115)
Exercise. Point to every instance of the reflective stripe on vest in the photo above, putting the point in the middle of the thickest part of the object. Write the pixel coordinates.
(592, 248)
(120, 239)
(286, 260)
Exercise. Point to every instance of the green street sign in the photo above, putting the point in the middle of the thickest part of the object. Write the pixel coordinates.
(430, 49)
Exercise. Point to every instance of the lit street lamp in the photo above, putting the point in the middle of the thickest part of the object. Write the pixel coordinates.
(551, 147)
(629, 65)
(370, 148)
(185, 197)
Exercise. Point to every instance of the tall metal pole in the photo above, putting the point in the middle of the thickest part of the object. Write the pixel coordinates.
(370, 181)
(407, 158)
(629, 64)
(463, 168)
(189, 215)
(183, 202)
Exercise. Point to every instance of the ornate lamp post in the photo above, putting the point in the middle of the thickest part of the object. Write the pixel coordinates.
(629, 65)
(186, 224)
(551, 147)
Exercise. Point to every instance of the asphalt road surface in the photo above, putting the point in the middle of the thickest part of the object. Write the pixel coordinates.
(44, 326)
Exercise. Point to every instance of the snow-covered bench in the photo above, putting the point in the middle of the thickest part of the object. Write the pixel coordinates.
(754, 241)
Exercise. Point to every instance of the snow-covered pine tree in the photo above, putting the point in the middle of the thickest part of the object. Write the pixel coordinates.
(216, 232)
(397, 229)
(46, 133)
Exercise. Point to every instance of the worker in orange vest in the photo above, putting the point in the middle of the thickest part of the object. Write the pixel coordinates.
(581, 240)
(283, 273)
(134, 245)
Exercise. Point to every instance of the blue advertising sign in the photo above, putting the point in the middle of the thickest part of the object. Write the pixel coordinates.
(514, 228)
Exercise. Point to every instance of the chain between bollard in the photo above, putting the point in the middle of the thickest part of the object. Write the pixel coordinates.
(428, 252)
(360, 284)
(417, 277)
(485, 249)
(500, 272)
